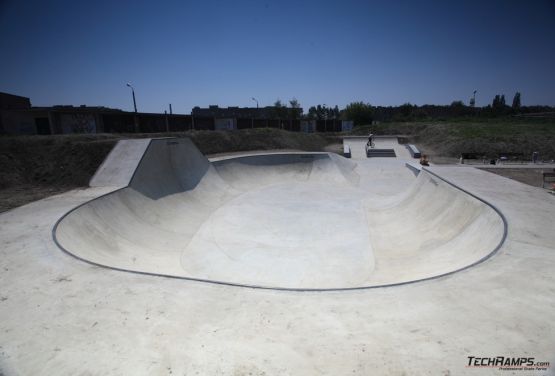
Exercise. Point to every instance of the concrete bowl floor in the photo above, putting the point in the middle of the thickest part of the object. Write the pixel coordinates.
(285, 221)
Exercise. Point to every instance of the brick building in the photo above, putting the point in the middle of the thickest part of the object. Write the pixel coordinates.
(17, 116)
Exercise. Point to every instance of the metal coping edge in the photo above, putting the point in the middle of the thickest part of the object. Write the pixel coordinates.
(290, 289)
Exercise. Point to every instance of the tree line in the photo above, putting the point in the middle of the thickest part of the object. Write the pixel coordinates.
(365, 113)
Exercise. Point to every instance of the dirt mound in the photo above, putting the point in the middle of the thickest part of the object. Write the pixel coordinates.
(32, 167)
(50, 161)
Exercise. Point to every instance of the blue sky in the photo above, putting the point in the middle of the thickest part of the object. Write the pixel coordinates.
(320, 52)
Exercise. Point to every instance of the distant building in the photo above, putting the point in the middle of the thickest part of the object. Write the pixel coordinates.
(267, 113)
(14, 114)
(17, 116)
(228, 124)
(14, 102)
(347, 125)
(70, 119)
(249, 117)
(308, 126)
(85, 119)
(329, 125)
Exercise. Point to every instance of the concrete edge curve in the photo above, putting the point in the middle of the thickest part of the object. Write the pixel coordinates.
(216, 282)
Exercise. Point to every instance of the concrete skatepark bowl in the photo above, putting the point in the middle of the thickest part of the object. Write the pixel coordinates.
(293, 221)
(334, 223)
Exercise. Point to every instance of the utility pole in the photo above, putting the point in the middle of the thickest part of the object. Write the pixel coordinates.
(135, 107)
(325, 118)
(252, 119)
(170, 108)
(133, 93)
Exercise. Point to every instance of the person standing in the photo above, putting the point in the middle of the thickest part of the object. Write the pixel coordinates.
(370, 143)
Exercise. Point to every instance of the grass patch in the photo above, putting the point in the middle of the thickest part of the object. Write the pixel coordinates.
(488, 136)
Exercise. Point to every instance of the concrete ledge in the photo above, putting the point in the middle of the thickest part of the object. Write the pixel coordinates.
(413, 150)
(414, 167)
(119, 166)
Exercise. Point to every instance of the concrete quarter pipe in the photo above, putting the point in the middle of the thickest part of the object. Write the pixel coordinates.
(295, 221)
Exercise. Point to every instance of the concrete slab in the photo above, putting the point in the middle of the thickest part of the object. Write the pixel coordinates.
(59, 315)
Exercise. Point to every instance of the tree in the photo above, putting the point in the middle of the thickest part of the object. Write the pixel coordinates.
(320, 112)
(499, 106)
(457, 108)
(516, 101)
(472, 102)
(295, 111)
(359, 112)
(294, 103)
(406, 109)
(499, 101)
(280, 111)
(336, 112)
(312, 113)
(496, 101)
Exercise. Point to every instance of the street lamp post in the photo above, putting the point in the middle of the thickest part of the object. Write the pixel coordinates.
(252, 119)
(325, 118)
(135, 107)
(133, 93)
(473, 101)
